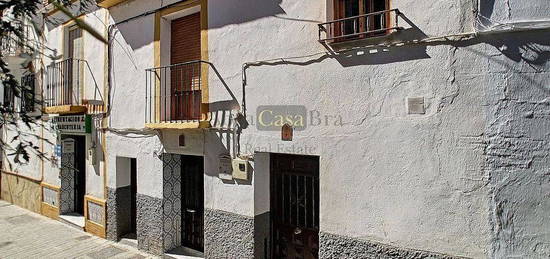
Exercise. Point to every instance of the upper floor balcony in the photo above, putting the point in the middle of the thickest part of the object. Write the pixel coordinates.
(66, 92)
(365, 26)
(175, 96)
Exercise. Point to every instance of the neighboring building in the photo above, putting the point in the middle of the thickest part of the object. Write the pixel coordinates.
(298, 129)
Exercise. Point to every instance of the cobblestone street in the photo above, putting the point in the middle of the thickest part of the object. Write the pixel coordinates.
(24, 234)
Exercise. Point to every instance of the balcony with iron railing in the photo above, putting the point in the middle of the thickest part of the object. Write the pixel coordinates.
(65, 90)
(366, 26)
(175, 96)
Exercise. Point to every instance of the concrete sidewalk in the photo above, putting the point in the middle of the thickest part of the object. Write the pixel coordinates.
(24, 234)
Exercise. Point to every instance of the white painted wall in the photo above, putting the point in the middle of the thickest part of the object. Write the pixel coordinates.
(418, 181)
(132, 53)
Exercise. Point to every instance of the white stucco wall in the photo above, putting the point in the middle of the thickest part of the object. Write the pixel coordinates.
(418, 181)
(132, 53)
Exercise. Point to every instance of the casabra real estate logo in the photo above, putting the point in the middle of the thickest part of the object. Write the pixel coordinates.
(273, 117)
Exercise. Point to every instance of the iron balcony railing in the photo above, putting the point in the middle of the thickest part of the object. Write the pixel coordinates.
(12, 45)
(174, 93)
(361, 26)
(65, 85)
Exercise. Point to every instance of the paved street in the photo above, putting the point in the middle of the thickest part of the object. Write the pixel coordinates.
(24, 234)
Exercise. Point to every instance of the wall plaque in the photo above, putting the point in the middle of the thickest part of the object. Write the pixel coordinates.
(416, 105)
(68, 146)
(95, 212)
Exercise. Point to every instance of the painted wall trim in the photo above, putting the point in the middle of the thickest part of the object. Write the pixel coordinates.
(91, 226)
(22, 176)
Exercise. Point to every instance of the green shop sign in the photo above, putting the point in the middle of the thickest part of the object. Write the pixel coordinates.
(73, 123)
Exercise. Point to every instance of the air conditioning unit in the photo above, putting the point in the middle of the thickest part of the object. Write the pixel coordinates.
(240, 169)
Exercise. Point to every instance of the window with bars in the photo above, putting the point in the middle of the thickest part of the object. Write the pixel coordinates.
(9, 98)
(359, 19)
(28, 93)
(364, 22)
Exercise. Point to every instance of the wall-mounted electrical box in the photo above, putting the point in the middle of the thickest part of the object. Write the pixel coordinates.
(240, 169)
(225, 167)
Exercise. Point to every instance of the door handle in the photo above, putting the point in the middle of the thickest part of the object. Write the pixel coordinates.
(190, 210)
(297, 231)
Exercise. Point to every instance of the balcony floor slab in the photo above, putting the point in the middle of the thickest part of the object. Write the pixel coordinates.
(179, 125)
(66, 109)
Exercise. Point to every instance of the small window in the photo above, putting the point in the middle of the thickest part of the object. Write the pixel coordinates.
(9, 98)
(361, 18)
(28, 93)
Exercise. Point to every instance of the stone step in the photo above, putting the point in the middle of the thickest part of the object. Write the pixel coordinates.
(73, 220)
(128, 241)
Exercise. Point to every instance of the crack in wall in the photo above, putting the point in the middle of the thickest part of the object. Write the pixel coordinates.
(508, 9)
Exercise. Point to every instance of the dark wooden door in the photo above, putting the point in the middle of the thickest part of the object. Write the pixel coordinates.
(192, 202)
(133, 193)
(185, 47)
(294, 206)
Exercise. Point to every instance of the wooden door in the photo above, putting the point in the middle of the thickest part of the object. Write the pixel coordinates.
(186, 78)
(294, 206)
(192, 202)
(133, 194)
(71, 91)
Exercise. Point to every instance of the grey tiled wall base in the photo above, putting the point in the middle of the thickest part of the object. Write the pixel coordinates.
(118, 212)
(112, 231)
(149, 224)
(228, 235)
(335, 246)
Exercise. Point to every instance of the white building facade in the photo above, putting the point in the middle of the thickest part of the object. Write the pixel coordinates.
(298, 129)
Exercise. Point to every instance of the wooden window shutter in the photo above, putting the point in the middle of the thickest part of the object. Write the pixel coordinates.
(185, 39)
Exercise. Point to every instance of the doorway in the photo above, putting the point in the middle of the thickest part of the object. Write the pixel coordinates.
(133, 192)
(192, 202)
(125, 199)
(73, 174)
(294, 206)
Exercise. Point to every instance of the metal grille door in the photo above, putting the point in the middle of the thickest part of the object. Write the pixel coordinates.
(192, 201)
(295, 206)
